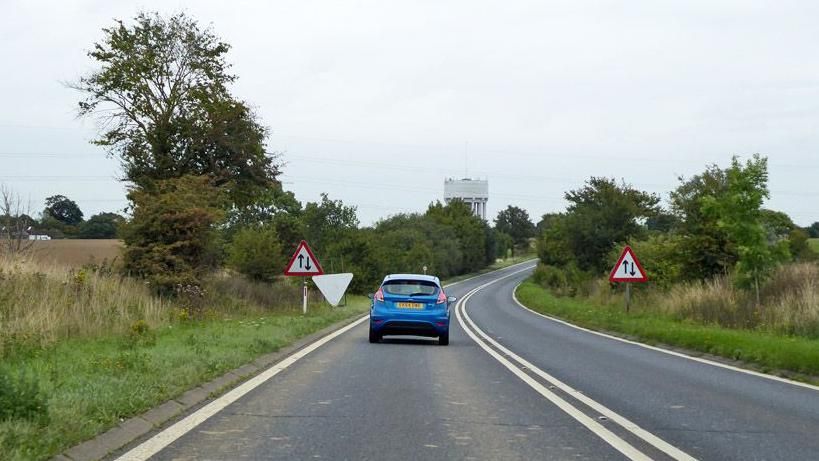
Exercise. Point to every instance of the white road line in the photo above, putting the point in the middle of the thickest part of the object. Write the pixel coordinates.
(666, 351)
(595, 427)
(161, 440)
(156, 443)
(528, 261)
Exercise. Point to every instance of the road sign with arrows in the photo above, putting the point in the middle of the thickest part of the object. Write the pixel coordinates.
(303, 262)
(628, 268)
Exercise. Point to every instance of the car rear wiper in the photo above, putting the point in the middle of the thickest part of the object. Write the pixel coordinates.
(420, 294)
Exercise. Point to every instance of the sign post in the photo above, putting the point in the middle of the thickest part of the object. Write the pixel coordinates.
(304, 264)
(628, 270)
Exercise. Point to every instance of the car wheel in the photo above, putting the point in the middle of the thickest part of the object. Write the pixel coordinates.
(443, 340)
(374, 337)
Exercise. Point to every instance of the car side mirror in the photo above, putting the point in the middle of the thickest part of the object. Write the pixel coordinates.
(451, 299)
(370, 295)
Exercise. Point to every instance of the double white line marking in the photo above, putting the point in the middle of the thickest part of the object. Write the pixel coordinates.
(516, 364)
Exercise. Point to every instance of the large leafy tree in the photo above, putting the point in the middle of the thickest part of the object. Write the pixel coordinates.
(706, 248)
(161, 95)
(601, 214)
(63, 210)
(326, 220)
(515, 222)
(469, 230)
(813, 230)
(101, 226)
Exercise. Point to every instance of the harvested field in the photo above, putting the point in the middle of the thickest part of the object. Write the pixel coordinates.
(75, 253)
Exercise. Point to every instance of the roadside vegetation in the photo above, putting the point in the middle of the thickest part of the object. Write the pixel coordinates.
(726, 275)
(189, 285)
(84, 349)
(768, 351)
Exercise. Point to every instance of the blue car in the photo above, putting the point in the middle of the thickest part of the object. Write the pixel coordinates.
(410, 304)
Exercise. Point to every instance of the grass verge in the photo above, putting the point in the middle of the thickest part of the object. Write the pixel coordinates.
(794, 357)
(814, 244)
(83, 386)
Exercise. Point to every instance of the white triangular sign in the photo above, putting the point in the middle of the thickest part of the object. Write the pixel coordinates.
(333, 286)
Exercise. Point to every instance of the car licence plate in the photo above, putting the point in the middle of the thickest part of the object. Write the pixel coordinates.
(409, 305)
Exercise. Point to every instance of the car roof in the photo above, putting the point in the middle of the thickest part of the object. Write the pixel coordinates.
(427, 278)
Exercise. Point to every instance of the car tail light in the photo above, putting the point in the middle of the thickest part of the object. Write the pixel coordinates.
(441, 297)
(379, 295)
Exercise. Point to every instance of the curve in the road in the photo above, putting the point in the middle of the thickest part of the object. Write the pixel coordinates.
(489, 345)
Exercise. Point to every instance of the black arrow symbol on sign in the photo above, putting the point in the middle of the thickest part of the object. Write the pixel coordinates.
(625, 267)
(301, 261)
(632, 270)
(308, 264)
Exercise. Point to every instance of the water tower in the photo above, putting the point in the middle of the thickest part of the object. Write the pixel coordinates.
(475, 192)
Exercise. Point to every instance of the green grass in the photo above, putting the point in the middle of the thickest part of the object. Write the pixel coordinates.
(814, 244)
(766, 351)
(90, 384)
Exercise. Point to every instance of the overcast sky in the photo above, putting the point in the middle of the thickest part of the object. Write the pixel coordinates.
(376, 102)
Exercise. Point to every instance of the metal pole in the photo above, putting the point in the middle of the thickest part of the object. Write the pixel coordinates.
(628, 296)
(304, 297)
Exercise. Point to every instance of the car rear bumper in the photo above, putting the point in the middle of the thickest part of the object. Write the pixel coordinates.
(416, 324)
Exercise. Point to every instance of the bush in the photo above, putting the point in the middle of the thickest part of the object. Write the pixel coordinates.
(257, 253)
(568, 280)
(660, 256)
(550, 277)
(21, 398)
(171, 240)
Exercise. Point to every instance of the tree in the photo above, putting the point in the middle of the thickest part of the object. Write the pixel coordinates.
(813, 230)
(325, 220)
(504, 244)
(515, 222)
(14, 221)
(161, 93)
(554, 247)
(798, 246)
(601, 214)
(64, 210)
(171, 238)
(706, 248)
(739, 213)
(777, 224)
(257, 253)
(101, 226)
(469, 231)
(546, 221)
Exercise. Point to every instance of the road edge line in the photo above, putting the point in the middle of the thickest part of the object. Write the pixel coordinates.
(589, 423)
(323, 340)
(170, 434)
(665, 351)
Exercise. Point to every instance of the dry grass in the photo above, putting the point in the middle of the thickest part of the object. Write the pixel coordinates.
(76, 253)
(41, 303)
(790, 302)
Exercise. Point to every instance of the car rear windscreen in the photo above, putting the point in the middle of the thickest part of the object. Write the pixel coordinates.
(410, 287)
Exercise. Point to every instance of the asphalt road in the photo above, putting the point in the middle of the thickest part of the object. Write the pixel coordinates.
(544, 390)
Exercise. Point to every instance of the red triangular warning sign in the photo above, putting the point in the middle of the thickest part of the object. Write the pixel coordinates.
(303, 262)
(628, 268)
